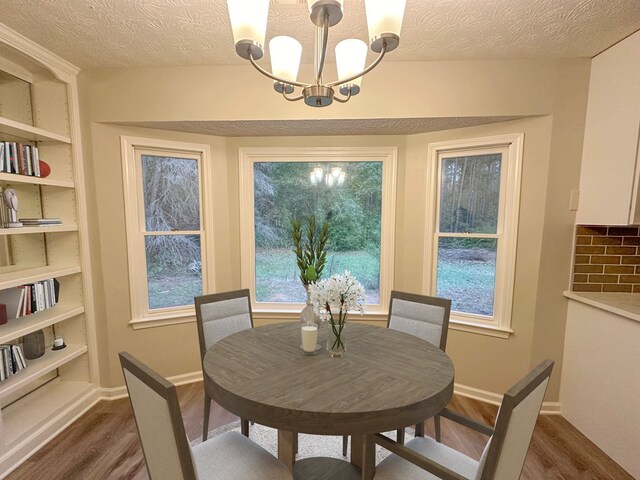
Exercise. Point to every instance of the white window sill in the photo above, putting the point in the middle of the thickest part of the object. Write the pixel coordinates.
(172, 318)
(262, 317)
(479, 329)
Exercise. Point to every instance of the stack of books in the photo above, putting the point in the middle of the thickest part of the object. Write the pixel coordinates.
(20, 159)
(40, 222)
(31, 298)
(11, 361)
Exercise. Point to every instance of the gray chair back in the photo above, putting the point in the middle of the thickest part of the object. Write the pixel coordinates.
(221, 314)
(157, 413)
(420, 315)
(504, 455)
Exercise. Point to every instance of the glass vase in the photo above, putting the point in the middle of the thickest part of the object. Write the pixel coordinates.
(308, 317)
(336, 345)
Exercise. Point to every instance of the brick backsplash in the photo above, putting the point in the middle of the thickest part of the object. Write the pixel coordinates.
(607, 259)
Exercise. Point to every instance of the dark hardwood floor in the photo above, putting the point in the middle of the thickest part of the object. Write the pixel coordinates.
(103, 444)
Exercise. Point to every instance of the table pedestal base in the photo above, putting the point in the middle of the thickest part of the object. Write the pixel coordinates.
(325, 468)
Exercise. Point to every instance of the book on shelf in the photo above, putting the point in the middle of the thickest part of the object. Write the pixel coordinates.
(40, 222)
(19, 158)
(11, 360)
(30, 298)
(13, 298)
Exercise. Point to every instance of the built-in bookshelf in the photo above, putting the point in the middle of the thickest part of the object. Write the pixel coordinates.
(38, 109)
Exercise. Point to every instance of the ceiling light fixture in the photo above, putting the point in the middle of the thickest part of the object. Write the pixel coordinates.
(249, 25)
(333, 176)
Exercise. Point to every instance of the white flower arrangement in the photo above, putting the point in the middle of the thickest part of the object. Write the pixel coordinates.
(337, 295)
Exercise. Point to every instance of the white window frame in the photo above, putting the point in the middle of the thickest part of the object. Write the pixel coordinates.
(498, 325)
(249, 156)
(131, 147)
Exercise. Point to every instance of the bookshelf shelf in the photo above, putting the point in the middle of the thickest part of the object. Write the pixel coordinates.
(17, 277)
(15, 178)
(19, 327)
(30, 230)
(22, 131)
(41, 407)
(40, 366)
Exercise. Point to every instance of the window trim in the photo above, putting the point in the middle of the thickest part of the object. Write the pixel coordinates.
(141, 316)
(500, 326)
(250, 155)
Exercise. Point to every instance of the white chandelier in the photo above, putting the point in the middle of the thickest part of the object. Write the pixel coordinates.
(249, 25)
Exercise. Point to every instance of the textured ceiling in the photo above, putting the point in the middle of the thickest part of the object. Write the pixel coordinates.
(112, 33)
(272, 128)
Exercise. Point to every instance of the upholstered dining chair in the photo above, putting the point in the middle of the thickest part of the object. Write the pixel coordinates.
(503, 456)
(424, 317)
(166, 449)
(219, 315)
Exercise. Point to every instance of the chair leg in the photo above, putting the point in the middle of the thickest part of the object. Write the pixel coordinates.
(345, 442)
(207, 411)
(436, 421)
(244, 427)
(400, 436)
(295, 442)
(420, 429)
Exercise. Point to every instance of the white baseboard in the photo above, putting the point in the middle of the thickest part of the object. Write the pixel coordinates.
(121, 392)
(548, 408)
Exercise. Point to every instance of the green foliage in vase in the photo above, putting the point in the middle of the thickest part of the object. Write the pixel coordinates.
(311, 254)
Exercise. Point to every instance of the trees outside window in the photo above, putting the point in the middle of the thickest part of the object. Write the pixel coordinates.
(474, 226)
(166, 237)
(348, 188)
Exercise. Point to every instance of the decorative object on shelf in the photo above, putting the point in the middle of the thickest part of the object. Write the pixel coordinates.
(58, 344)
(45, 169)
(3, 314)
(332, 299)
(310, 258)
(11, 201)
(249, 25)
(33, 344)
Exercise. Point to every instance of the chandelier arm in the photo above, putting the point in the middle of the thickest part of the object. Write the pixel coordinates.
(373, 65)
(273, 77)
(292, 99)
(325, 38)
(343, 100)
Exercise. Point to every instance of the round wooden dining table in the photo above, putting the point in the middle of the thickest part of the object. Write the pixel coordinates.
(386, 380)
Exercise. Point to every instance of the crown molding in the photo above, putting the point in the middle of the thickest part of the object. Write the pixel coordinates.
(61, 68)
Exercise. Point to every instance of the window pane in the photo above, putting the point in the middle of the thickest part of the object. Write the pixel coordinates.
(466, 273)
(469, 193)
(174, 270)
(350, 200)
(171, 197)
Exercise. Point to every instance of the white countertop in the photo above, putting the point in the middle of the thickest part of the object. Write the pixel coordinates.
(624, 304)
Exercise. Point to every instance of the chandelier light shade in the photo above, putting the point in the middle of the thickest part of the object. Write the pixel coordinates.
(384, 19)
(285, 55)
(351, 56)
(249, 24)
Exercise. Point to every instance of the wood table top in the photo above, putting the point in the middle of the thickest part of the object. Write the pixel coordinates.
(386, 380)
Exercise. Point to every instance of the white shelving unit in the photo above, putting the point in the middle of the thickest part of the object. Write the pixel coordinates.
(39, 106)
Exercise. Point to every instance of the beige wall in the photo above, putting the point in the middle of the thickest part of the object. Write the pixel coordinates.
(556, 90)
